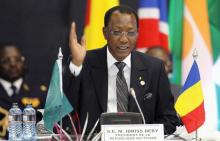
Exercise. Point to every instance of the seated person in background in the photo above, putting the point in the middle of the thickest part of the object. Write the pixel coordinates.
(161, 54)
(98, 81)
(13, 86)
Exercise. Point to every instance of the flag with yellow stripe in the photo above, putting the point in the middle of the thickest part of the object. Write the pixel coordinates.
(190, 104)
(94, 22)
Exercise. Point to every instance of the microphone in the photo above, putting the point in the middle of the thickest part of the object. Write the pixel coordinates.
(132, 92)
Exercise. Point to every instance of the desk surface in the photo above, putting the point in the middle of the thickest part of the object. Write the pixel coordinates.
(179, 135)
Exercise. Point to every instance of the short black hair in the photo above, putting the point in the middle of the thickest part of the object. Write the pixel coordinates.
(121, 9)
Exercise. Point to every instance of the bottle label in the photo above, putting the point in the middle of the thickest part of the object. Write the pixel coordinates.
(15, 118)
(27, 118)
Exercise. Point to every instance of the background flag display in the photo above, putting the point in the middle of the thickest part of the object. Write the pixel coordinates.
(94, 22)
(196, 24)
(190, 104)
(153, 30)
(214, 20)
(57, 104)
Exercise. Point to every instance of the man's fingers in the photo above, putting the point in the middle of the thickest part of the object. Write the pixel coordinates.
(83, 41)
(73, 35)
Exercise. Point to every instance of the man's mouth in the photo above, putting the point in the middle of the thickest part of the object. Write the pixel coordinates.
(123, 47)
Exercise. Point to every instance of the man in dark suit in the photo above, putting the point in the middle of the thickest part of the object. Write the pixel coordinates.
(91, 82)
(13, 86)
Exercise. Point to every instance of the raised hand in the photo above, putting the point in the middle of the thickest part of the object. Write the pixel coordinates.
(78, 51)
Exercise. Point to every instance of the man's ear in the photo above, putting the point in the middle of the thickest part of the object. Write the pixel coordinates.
(105, 33)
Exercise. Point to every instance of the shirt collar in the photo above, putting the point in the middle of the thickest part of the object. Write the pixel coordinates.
(111, 60)
(6, 84)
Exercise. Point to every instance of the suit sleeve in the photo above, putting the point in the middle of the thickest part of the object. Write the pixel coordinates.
(71, 86)
(166, 113)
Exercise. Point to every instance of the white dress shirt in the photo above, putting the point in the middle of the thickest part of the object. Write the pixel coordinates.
(7, 85)
(112, 74)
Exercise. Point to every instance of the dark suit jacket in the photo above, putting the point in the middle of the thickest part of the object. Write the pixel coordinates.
(88, 92)
(27, 93)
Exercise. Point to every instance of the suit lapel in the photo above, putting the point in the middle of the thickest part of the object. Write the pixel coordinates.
(4, 97)
(100, 77)
(139, 81)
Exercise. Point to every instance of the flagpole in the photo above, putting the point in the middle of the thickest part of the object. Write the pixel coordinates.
(195, 56)
(60, 58)
(196, 135)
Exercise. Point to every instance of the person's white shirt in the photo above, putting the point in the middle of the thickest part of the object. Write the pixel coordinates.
(7, 85)
(112, 74)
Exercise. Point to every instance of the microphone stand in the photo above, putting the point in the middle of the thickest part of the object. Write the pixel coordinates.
(139, 108)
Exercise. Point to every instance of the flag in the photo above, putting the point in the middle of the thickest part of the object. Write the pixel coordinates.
(214, 20)
(57, 104)
(175, 38)
(191, 25)
(190, 103)
(216, 70)
(94, 22)
(153, 29)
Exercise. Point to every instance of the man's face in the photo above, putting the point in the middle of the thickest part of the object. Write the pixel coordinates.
(121, 34)
(162, 55)
(11, 64)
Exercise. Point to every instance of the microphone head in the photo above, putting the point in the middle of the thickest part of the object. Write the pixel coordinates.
(132, 92)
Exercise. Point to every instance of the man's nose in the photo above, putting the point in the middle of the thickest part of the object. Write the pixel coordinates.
(13, 63)
(124, 38)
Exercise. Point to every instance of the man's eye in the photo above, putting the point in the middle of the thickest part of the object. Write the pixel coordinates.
(131, 33)
(117, 32)
(9, 60)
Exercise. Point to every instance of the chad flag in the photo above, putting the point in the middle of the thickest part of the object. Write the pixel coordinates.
(190, 104)
(94, 22)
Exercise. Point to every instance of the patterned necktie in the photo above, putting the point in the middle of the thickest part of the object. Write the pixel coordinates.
(13, 89)
(121, 88)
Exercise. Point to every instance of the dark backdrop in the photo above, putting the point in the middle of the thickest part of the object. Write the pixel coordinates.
(40, 27)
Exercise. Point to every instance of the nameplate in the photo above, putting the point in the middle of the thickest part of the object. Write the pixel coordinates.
(133, 132)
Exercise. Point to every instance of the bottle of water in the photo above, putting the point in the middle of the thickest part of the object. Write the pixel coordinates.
(29, 121)
(15, 123)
